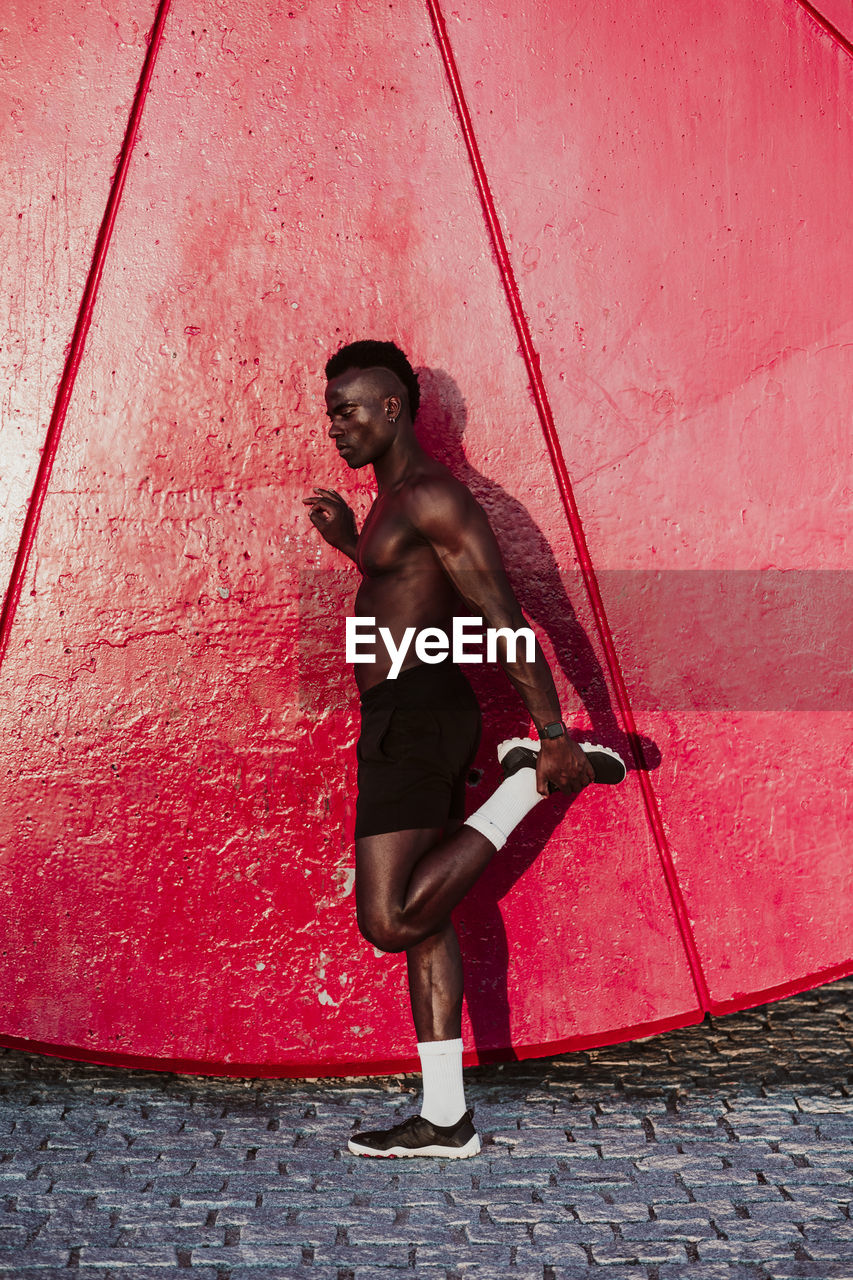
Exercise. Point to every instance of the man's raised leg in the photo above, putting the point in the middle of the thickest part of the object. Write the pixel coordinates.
(408, 882)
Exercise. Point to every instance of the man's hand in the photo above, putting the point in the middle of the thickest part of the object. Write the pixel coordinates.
(328, 513)
(562, 764)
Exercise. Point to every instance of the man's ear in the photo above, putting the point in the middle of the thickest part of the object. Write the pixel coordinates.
(393, 405)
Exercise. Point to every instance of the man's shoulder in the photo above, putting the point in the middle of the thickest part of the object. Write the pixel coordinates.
(435, 496)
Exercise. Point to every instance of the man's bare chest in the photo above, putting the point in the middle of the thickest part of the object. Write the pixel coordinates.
(387, 540)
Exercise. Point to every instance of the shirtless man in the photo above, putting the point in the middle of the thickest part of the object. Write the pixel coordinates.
(425, 544)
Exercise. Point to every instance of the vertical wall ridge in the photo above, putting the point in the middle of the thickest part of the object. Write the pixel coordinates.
(838, 36)
(558, 464)
(77, 344)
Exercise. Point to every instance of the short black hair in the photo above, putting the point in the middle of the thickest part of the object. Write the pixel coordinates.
(368, 354)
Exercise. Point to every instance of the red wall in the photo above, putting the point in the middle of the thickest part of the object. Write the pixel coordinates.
(177, 724)
(69, 74)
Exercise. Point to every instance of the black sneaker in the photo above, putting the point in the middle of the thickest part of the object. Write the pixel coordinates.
(520, 753)
(419, 1137)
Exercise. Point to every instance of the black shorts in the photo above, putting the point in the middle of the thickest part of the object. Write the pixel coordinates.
(419, 734)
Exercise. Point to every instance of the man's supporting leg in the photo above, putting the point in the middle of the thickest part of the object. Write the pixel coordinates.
(435, 991)
(435, 986)
(435, 977)
(407, 884)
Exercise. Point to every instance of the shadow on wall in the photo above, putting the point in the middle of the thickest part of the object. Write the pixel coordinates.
(539, 586)
(532, 568)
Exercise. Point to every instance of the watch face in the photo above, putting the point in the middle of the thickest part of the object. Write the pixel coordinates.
(555, 730)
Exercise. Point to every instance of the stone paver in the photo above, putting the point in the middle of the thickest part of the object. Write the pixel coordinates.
(720, 1152)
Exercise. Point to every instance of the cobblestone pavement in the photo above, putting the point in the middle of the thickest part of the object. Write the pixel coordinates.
(717, 1153)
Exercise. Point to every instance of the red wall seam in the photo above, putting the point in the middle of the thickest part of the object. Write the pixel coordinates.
(837, 35)
(78, 340)
(573, 515)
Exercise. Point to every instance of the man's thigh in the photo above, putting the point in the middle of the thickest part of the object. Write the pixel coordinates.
(415, 747)
(384, 865)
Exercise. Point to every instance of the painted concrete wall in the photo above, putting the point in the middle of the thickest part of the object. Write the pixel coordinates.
(640, 365)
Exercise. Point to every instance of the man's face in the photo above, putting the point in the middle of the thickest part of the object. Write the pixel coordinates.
(357, 405)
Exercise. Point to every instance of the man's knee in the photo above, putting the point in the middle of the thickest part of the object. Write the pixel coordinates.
(376, 927)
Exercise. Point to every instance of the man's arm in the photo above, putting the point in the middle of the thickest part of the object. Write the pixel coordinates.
(328, 513)
(445, 514)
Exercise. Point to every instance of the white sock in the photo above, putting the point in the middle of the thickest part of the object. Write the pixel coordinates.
(505, 808)
(444, 1093)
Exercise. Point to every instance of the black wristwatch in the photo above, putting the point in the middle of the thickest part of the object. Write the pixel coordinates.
(555, 730)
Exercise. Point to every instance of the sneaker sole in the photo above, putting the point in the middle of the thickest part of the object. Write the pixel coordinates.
(607, 765)
(471, 1148)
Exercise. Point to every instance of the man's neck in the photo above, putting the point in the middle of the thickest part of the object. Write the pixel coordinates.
(399, 463)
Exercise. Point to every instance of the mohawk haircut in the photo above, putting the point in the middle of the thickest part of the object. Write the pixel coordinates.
(369, 354)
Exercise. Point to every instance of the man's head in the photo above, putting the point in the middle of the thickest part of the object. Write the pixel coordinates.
(369, 354)
(371, 396)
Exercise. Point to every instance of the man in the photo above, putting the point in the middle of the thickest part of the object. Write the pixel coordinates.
(424, 545)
